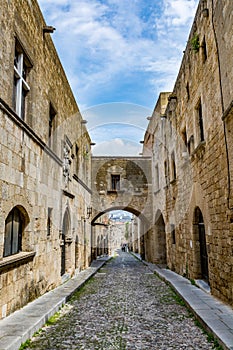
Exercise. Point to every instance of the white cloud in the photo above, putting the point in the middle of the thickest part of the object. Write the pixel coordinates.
(111, 48)
(179, 12)
(111, 38)
(117, 147)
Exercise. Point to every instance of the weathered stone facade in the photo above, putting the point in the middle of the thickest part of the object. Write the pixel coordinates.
(44, 163)
(183, 210)
(190, 143)
(123, 183)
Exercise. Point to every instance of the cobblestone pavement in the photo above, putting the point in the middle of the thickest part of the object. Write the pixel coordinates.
(124, 306)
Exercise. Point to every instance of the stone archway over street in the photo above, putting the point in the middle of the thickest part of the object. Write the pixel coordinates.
(123, 183)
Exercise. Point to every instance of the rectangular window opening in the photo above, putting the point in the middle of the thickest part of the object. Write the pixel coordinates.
(52, 114)
(166, 173)
(21, 88)
(204, 50)
(200, 122)
(187, 91)
(173, 166)
(49, 221)
(156, 177)
(115, 182)
(173, 234)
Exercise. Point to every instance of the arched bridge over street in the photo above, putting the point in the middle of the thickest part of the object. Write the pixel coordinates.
(122, 183)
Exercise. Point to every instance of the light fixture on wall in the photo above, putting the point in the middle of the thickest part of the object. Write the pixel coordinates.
(89, 212)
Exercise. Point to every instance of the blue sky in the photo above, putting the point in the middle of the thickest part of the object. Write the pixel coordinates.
(118, 56)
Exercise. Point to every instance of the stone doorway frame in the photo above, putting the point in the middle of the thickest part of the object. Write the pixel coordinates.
(65, 241)
(200, 246)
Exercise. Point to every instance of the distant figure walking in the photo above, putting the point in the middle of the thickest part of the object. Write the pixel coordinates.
(124, 247)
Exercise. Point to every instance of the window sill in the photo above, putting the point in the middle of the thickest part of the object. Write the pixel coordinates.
(115, 191)
(15, 260)
(200, 147)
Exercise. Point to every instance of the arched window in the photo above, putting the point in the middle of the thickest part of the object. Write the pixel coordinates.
(13, 233)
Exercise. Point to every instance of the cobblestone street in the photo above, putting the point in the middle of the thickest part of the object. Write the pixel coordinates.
(124, 306)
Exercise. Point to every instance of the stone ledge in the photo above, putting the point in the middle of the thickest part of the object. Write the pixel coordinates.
(29, 131)
(200, 147)
(17, 259)
(115, 191)
(76, 178)
(68, 194)
(173, 182)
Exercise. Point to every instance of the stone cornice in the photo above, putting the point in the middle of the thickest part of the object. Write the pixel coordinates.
(76, 178)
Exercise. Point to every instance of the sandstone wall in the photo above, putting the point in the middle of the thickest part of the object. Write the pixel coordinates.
(134, 193)
(194, 156)
(44, 173)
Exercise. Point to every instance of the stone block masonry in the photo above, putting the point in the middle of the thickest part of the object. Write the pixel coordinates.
(44, 178)
(193, 159)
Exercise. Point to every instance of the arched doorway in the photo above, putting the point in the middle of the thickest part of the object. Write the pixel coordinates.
(162, 244)
(65, 233)
(199, 228)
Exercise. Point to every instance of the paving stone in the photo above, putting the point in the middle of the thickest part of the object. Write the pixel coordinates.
(123, 307)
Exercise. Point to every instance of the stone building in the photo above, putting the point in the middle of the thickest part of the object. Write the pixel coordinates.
(190, 140)
(44, 162)
(120, 183)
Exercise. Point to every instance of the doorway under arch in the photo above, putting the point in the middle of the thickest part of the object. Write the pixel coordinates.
(200, 235)
(160, 234)
(65, 233)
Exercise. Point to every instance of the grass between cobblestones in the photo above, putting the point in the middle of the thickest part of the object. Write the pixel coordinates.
(116, 336)
(181, 302)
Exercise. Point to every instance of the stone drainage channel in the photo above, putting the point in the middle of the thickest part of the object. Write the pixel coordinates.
(124, 306)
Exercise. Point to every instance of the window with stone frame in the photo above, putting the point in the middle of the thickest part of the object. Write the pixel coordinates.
(200, 125)
(115, 182)
(184, 143)
(77, 159)
(166, 173)
(13, 232)
(52, 127)
(49, 221)
(204, 50)
(157, 184)
(190, 145)
(173, 167)
(173, 234)
(187, 91)
(21, 88)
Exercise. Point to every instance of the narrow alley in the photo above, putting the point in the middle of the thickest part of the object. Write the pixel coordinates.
(124, 306)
